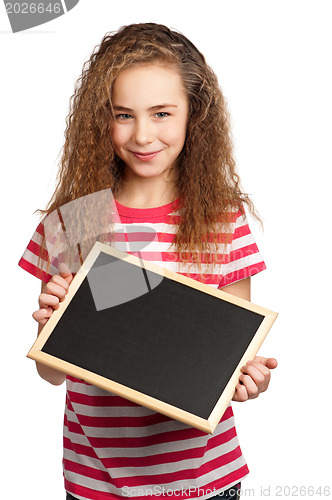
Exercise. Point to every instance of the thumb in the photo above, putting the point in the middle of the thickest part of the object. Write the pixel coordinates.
(270, 363)
(65, 272)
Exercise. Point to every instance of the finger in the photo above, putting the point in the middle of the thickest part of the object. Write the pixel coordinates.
(59, 280)
(240, 394)
(261, 380)
(54, 289)
(271, 363)
(250, 386)
(42, 315)
(256, 371)
(46, 300)
(65, 272)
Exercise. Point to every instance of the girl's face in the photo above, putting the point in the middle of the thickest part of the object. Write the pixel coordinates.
(151, 111)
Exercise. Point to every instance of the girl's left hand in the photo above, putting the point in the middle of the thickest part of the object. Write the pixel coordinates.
(255, 378)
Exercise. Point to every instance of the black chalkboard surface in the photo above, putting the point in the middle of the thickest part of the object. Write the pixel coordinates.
(153, 336)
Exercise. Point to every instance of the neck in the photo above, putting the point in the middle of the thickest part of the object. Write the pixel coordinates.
(138, 192)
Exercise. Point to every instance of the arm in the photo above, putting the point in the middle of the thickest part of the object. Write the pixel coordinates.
(256, 374)
(240, 289)
(51, 294)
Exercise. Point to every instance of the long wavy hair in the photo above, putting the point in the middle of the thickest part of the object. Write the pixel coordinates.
(208, 184)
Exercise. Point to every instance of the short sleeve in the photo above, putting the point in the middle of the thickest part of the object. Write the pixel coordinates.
(242, 258)
(35, 258)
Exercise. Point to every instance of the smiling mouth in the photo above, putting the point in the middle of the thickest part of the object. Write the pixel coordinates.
(145, 156)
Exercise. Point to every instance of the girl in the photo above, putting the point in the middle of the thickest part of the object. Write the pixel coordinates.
(149, 121)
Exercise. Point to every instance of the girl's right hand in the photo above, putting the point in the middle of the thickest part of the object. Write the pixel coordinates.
(52, 293)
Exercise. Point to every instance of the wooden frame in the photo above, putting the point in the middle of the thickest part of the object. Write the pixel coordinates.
(205, 424)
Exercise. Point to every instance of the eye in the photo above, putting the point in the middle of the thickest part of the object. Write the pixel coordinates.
(123, 116)
(162, 114)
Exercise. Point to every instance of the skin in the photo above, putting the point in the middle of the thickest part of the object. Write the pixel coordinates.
(144, 124)
(151, 112)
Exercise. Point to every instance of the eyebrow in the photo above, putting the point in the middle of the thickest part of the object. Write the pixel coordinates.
(159, 106)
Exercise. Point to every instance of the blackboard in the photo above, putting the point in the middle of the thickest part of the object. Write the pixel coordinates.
(153, 336)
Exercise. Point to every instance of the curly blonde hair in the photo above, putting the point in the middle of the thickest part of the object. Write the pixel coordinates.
(207, 181)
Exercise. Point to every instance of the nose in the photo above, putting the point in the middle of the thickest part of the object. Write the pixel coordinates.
(143, 132)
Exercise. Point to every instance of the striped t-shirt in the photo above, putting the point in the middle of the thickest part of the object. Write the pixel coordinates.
(115, 448)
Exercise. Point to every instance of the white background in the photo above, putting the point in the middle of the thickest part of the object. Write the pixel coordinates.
(273, 61)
